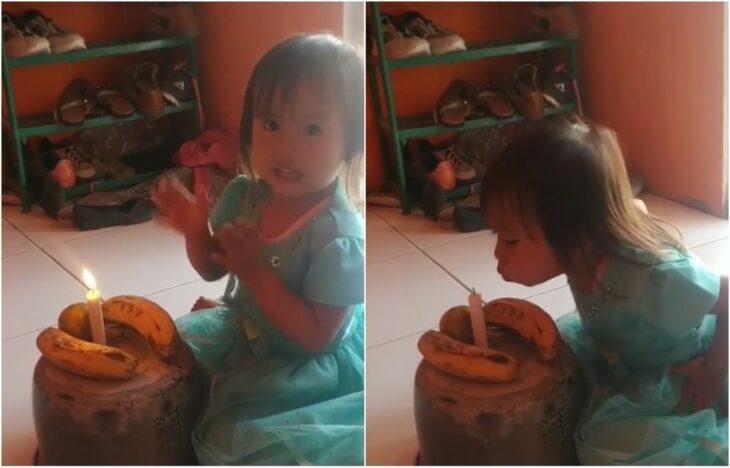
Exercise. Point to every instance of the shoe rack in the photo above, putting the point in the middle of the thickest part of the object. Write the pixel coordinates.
(394, 130)
(26, 126)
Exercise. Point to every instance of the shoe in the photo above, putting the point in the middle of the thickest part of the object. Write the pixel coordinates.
(19, 42)
(140, 83)
(61, 40)
(453, 107)
(444, 176)
(109, 168)
(177, 86)
(83, 169)
(110, 100)
(525, 92)
(74, 104)
(462, 170)
(440, 42)
(468, 219)
(399, 43)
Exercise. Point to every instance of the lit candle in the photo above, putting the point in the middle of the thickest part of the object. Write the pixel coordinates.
(478, 327)
(93, 302)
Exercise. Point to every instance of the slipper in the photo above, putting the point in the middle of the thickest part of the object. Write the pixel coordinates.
(140, 83)
(74, 105)
(526, 94)
(492, 99)
(112, 99)
(453, 107)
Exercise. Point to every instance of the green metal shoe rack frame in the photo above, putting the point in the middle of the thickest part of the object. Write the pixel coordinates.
(400, 129)
(24, 127)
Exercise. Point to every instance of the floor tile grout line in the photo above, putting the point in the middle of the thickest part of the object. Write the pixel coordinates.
(172, 287)
(423, 251)
(393, 340)
(26, 333)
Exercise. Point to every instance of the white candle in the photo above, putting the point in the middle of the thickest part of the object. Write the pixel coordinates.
(93, 302)
(478, 327)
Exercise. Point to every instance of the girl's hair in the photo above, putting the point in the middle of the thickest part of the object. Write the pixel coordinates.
(572, 178)
(317, 58)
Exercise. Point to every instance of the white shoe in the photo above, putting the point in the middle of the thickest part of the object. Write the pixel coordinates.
(399, 44)
(440, 42)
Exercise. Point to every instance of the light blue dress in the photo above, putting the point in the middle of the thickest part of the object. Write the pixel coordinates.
(270, 402)
(643, 320)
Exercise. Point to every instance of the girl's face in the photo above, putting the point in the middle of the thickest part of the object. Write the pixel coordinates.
(522, 252)
(300, 147)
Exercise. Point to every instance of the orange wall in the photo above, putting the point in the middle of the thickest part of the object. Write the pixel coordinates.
(654, 72)
(233, 37)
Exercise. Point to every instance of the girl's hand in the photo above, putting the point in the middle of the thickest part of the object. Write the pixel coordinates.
(240, 249)
(703, 386)
(182, 210)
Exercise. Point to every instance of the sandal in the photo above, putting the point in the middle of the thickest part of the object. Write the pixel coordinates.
(112, 99)
(526, 94)
(453, 106)
(492, 99)
(73, 106)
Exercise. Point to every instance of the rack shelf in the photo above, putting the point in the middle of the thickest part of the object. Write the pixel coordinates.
(423, 125)
(44, 124)
(23, 127)
(481, 51)
(102, 49)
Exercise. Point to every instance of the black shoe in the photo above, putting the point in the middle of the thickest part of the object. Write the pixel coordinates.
(468, 219)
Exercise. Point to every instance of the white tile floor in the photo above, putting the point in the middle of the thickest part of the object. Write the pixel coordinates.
(412, 269)
(412, 264)
(41, 267)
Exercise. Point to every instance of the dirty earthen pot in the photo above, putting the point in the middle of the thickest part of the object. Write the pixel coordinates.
(529, 421)
(146, 420)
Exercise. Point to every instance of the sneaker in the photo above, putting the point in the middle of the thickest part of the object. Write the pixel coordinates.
(462, 169)
(440, 42)
(61, 40)
(399, 43)
(106, 168)
(82, 168)
(19, 42)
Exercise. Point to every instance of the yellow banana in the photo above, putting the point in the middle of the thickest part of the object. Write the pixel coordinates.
(456, 323)
(85, 358)
(74, 320)
(146, 318)
(527, 319)
(466, 361)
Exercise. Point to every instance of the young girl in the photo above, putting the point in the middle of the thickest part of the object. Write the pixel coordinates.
(284, 354)
(651, 328)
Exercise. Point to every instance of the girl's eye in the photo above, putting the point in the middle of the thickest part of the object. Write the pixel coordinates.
(313, 129)
(270, 125)
(510, 241)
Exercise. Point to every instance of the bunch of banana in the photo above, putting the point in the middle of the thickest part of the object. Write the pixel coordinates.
(524, 317)
(70, 346)
(466, 361)
(528, 320)
(85, 358)
(451, 349)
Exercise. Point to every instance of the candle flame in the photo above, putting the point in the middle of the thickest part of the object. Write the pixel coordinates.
(89, 280)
